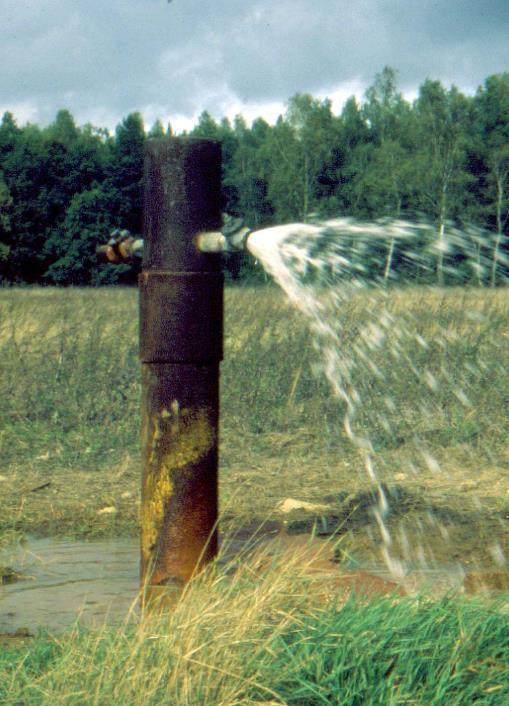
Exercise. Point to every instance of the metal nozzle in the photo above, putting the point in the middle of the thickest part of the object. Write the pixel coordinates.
(236, 242)
(219, 242)
(232, 237)
(121, 247)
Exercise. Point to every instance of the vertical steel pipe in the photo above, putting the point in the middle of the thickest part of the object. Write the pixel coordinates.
(181, 328)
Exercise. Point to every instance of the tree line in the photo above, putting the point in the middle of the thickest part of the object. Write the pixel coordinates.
(445, 156)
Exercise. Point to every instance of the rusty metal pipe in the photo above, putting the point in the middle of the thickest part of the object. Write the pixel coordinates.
(181, 325)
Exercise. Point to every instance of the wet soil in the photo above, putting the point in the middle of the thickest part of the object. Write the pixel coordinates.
(451, 531)
(62, 581)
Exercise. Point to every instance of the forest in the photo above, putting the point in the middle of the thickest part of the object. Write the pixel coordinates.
(443, 157)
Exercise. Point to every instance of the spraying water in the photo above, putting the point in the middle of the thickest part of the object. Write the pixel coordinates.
(369, 350)
(324, 266)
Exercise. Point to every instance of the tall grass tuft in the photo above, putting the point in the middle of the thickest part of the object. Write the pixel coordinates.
(269, 637)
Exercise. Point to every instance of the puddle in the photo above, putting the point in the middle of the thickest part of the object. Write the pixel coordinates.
(69, 579)
(98, 581)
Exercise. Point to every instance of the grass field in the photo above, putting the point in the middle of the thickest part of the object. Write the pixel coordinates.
(271, 638)
(69, 404)
(436, 414)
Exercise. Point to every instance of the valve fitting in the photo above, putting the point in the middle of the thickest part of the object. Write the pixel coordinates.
(122, 247)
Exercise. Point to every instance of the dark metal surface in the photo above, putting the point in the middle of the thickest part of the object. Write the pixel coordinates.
(182, 199)
(181, 315)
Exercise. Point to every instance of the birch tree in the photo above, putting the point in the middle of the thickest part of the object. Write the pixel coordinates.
(492, 112)
(389, 117)
(442, 118)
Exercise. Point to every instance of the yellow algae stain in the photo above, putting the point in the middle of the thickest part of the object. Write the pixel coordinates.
(180, 438)
(158, 491)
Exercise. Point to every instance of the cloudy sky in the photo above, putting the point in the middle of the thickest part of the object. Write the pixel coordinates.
(103, 59)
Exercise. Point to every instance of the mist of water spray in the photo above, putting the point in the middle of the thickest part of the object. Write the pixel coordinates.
(323, 266)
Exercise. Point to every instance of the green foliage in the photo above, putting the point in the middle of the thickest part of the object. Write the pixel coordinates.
(250, 172)
(391, 652)
(87, 223)
(61, 190)
(444, 156)
(5, 222)
(273, 650)
(125, 173)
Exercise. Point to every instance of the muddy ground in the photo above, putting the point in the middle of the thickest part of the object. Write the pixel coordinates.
(457, 514)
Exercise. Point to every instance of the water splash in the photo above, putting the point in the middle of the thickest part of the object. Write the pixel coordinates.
(323, 266)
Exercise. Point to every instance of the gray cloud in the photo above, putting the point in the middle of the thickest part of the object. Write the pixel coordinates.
(103, 60)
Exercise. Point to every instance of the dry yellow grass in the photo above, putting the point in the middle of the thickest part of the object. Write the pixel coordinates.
(70, 410)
